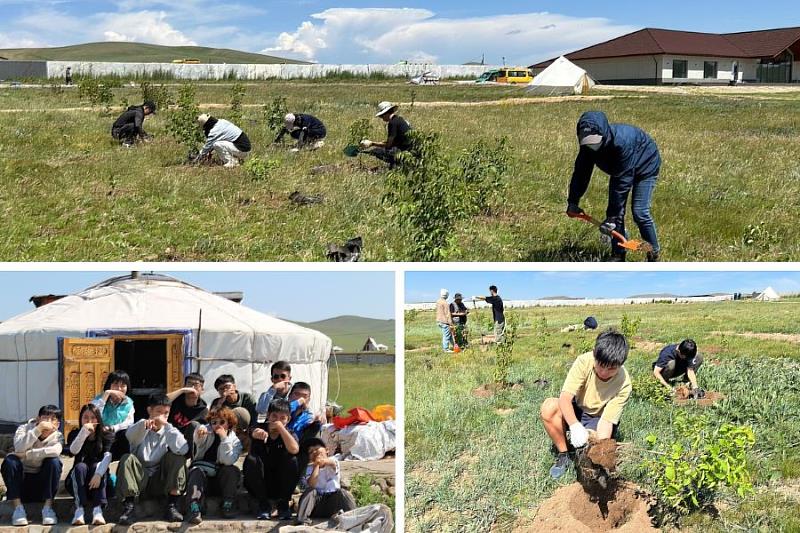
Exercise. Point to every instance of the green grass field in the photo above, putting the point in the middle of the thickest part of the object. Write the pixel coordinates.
(729, 184)
(476, 464)
(361, 385)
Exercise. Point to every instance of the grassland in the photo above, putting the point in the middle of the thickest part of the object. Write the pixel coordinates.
(728, 188)
(474, 464)
(139, 53)
(350, 332)
(361, 385)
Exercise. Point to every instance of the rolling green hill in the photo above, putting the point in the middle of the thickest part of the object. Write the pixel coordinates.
(139, 53)
(350, 332)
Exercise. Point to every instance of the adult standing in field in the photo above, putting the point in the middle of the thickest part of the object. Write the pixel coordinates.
(397, 139)
(68, 76)
(679, 360)
(632, 160)
(127, 129)
(308, 130)
(225, 139)
(444, 320)
(459, 313)
(498, 313)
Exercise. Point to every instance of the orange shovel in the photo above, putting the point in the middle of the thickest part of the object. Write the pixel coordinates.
(456, 347)
(628, 244)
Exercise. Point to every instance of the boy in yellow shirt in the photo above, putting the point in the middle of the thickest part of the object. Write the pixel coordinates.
(593, 396)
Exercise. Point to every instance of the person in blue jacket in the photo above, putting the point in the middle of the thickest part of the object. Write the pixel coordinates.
(631, 158)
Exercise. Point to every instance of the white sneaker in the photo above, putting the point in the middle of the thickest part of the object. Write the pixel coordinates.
(49, 517)
(97, 516)
(78, 519)
(19, 518)
(318, 144)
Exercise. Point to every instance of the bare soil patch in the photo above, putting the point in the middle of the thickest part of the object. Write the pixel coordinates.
(623, 507)
(487, 390)
(787, 337)
(682, 398)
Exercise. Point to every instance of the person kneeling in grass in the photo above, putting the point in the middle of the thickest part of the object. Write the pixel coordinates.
(677, 361)
(593, 396)
(225, 139)
(90, 445)
(156, 464)
(213, 468)
(324, 495)
(32, 471)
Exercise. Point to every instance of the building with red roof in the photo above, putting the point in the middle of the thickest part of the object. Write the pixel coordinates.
(658, 56)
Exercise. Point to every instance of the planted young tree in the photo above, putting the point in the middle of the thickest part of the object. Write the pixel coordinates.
(504, 352)
(274, 114)
(159, 94)
(260, 169)
(629, 327)
(238, 92)
(429, 193)
(359, 130)
(96, 92)
(182, 121)
(700, 460)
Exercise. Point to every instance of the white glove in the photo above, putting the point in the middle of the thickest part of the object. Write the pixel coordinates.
(578, 435)
(294, 150)
(366, 143)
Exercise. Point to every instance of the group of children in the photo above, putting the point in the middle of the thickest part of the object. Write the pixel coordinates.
(598, 387)
(278, 433)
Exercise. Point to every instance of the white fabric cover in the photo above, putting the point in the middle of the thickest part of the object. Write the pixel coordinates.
(562, 77)
(361, 442)
(768, 295)
(234, 339)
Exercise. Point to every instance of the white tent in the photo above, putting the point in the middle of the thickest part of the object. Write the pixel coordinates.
(769, 295)
(561, 77)
(198, 332)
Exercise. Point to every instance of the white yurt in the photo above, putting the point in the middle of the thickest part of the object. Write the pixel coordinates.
(562, 77)
(769, 295)
(156, 328)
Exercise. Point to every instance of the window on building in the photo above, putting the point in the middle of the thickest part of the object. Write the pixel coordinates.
(710, 70)
(680, 68)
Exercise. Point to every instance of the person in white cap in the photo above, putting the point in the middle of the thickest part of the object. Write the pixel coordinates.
(444, 320)
(397, 139)
(308, 130)
(225, 139)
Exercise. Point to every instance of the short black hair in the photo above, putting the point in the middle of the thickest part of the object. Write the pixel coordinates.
(117, 375)
(302, 386)
(611, 348)
(151, 105)
(280, 365)
(194, 376)
(223, 379)
(688, 348)
(50, 410)
(313, 442)
(493, 288)
(280, 406)
(158, 399)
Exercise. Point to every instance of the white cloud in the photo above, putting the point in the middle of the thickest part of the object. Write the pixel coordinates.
(394, 34)
(142, 26)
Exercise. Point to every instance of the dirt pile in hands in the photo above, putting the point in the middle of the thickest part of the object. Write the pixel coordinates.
(603, 453)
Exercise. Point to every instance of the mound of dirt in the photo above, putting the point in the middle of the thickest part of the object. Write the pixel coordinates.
(682, 398)
(487, 390)
(621, 508)
(603, 453)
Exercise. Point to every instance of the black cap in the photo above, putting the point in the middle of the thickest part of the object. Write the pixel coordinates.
(151, 104)
(590, 323)
(457, 296)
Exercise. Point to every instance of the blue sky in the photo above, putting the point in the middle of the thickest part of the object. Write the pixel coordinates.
(424, 286)
(300, 296)
(450, 31)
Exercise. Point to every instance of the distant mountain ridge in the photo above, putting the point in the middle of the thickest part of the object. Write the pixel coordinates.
(349, 331)
(125, 52)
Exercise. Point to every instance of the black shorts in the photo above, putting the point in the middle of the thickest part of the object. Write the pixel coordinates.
(590, 421)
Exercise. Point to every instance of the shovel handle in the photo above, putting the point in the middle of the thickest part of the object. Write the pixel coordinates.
(591, 220)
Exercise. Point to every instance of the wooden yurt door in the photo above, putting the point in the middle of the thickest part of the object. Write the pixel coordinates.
(85, 365)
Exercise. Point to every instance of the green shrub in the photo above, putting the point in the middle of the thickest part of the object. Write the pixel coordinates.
(359, 130)
(648, 388)
(96, 92)
(504, 351)
(260, 169)
(274, 114)
(182, 121)
(159, 94)
(237, 96)
(629, 327)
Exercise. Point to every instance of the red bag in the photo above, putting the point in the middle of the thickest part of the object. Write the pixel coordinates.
(358, 415)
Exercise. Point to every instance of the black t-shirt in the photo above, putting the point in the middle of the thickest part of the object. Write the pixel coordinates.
(497, 308)
(273, 451)
(245, 400)
(670, 353)
(458, 308)
(398, 129)
(90, 454)
(180, 414)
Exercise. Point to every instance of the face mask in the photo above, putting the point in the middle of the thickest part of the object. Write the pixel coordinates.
(594, 147)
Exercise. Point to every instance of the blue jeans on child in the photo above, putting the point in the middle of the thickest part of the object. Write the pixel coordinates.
(641, 196)
(29, 487)
(447, 335)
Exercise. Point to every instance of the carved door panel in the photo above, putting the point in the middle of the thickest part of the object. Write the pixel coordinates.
(85, 366)
(174, 362)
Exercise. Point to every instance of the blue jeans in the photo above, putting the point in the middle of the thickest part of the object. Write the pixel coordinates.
(447, 335)
(641, 196)
(30, 487)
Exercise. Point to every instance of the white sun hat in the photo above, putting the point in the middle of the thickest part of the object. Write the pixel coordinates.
(203, 118)
(288, 121)
(385, 107)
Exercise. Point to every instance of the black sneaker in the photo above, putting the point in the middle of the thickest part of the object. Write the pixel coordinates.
(128, 515)
(172, 514)
(227, 510)
(652, 257)
(194, 513)
(285, 514)
(562, 463)
(617, 257)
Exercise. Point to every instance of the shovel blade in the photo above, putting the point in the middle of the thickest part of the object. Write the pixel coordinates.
(636, 246)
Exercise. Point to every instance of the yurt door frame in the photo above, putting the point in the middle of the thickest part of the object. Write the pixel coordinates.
(86, 362)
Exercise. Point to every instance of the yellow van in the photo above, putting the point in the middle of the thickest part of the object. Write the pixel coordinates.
(514, 75)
